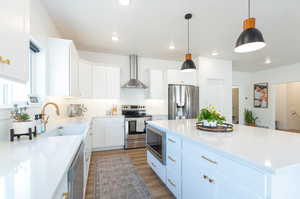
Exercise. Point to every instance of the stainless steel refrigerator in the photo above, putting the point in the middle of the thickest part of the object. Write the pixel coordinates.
(183, 101)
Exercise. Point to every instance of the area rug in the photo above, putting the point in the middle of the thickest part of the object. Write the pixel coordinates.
(117, 178)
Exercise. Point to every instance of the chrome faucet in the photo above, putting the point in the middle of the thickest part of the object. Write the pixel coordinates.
(46, 119)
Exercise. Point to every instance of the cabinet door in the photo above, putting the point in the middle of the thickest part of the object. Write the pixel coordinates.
(113, 83)
(74, 72)
(99, 82)
(195, 180)
(156, 83)
(99, 133)
(14, 39)
(114, 132)
(85, 79)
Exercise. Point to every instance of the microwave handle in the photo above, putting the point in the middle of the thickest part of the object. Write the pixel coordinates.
(155, 131)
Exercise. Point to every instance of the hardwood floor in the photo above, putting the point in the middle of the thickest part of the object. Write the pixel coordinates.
(139, 160)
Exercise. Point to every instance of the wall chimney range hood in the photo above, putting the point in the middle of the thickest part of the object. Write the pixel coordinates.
(134, 82)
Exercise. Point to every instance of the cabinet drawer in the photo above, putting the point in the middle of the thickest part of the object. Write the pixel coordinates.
(157, 166)
(173, 183)
(173, 145)
(173, 163)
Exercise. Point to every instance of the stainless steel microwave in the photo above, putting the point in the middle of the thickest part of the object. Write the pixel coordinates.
(156, 143)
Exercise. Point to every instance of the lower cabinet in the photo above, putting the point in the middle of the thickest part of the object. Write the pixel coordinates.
(88, 141)
(62, 189)
(108, 133)
(157, 166)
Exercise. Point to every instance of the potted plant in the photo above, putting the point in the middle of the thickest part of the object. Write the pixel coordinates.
(250, 119)
(21, 120)
(210, 117)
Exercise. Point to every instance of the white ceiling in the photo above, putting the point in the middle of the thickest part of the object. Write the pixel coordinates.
(146, 27)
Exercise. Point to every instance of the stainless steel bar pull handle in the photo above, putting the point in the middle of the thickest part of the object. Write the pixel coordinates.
(171, 140)
(174, 185)
(170, 158)
(209, 160)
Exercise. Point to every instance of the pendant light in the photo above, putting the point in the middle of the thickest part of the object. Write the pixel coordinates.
(251, 39)
(188, 65)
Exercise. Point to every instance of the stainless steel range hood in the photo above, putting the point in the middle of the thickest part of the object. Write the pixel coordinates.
(134, 81)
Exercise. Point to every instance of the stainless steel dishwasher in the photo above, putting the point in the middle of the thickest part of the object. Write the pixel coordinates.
(76, 174)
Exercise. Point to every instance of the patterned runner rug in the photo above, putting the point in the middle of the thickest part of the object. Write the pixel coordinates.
(117, 178)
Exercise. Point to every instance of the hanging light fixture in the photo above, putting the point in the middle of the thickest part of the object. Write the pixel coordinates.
(251, 39)
(188, 65)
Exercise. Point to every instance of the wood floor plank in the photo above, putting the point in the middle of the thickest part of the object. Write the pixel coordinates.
(139, 160)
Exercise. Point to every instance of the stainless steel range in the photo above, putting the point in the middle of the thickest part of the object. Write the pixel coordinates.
(135, 125)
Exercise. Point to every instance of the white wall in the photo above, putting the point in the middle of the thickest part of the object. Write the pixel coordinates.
(215, 85)
(242, 80)
(280, 75)
(281, 106)
(41, 27)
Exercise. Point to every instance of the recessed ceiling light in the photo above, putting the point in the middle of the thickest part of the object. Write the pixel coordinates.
(172, 46)
(215, 53)
(124, 2)
(114, 37)
(268, 61)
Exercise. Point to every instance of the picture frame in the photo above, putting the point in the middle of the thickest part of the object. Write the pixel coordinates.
(33, 99)
(261, 95)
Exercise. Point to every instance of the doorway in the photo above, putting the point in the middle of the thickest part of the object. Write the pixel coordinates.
(235, 106)
(287, 109)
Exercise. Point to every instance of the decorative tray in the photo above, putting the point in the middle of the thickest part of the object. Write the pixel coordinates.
(224, 128)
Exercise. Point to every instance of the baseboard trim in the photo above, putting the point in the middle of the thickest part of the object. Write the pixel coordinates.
(107, 148)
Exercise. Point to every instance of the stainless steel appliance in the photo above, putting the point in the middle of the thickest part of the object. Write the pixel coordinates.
(134, 81)
(76, 110)
(156, 143)
(75, 175)
(135, 125)
(183, 101)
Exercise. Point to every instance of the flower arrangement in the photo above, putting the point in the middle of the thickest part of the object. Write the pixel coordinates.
(19, 114)
(210, 116)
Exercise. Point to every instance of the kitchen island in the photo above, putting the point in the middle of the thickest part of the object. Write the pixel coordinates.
(249, 163)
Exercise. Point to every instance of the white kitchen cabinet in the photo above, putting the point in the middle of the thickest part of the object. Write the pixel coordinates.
(157, 166)
(106, 82)
(63, 68)
(156, 84)
(85, 79)
(173, 165)
(184, 78)
(62, 189)
(88, 143)
(108, 133)
(14, 39)
(113, 83)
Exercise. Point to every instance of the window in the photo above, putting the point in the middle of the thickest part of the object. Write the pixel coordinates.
(12, 92)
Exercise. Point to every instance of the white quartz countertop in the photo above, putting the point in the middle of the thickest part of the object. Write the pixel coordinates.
(33, 169)
(268, 149)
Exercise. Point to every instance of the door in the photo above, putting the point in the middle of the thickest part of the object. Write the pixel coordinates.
(113, 83)
(114, 132)
(99, 133)
(99, 82)
(85, 79)
(235, 106)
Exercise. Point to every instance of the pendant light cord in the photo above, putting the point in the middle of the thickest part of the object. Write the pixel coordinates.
(249, 5)
(188, 36)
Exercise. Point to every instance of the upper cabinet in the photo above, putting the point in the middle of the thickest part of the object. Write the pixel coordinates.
(63, 68)
(106, 82)
(14, 39)
(85, 79)
(184, 78)
(156, 84)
